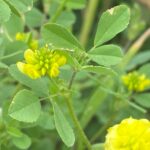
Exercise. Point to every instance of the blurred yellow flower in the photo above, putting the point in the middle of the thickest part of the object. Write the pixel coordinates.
(20, 36)
(27, 38)
(136, 82)
(41, 62)
(130, 134)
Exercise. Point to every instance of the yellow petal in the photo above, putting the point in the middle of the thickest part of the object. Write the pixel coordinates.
(31, 71)
(54, 71)
(43, 71)
(20, 36)
(29, 56)
(123, 136)
(62, 60)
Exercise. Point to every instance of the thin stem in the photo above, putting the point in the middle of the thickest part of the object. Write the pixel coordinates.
(135, 47)
(49, 97)
(71, 80)
(132, 104)
(10, 55)
(88, 21)
(58, 11)
(139, 108)
(77, 124)
(82, 135)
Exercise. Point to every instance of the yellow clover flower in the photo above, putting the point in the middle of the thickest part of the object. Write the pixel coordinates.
(41, 62)
(136, 82)
(130, 134)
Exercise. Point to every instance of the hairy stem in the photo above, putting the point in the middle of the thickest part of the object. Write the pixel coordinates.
(69, 103)
(58, 11)
(88, 21)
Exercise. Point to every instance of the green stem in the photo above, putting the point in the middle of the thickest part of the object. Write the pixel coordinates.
(135, 47)
(141, 109)
(71, 80)
(58, 11)
(10, 55)
(77, 124)
(49, 97)
(128, 101)
(88, 21)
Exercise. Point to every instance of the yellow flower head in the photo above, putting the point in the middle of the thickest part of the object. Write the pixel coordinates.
(136, 82)
(42, 62)
(130, 134)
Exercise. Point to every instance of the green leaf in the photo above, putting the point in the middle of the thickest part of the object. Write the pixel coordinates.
(99, 146)
(34, 18)
(46, 121)
(63, 127)
(3, 66)
(4, 12)
(14, 132)
(106, 55)
(76, 4)
(22, 142)
(25, 106)
(143, 99)
(13, 9)
(111, 23)
(35, 85)
(13, 52)
(145, 70)
(22, 5)
(139, 59)
(66, 19)
(44, 144)
(13, 26)
(60, 37)
(137, 22)
(98, 69)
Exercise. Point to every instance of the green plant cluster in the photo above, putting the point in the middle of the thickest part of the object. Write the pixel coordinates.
(74, 109)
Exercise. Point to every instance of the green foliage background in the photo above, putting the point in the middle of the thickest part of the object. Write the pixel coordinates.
(95, 52)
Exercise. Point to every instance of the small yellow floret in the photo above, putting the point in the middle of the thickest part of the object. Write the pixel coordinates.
(29, 56)
(136, 82)
(130, 134)
(20, 36)
(62, 60)
(54, 71)
(34, 44)
(29, 70)
(25, 37)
